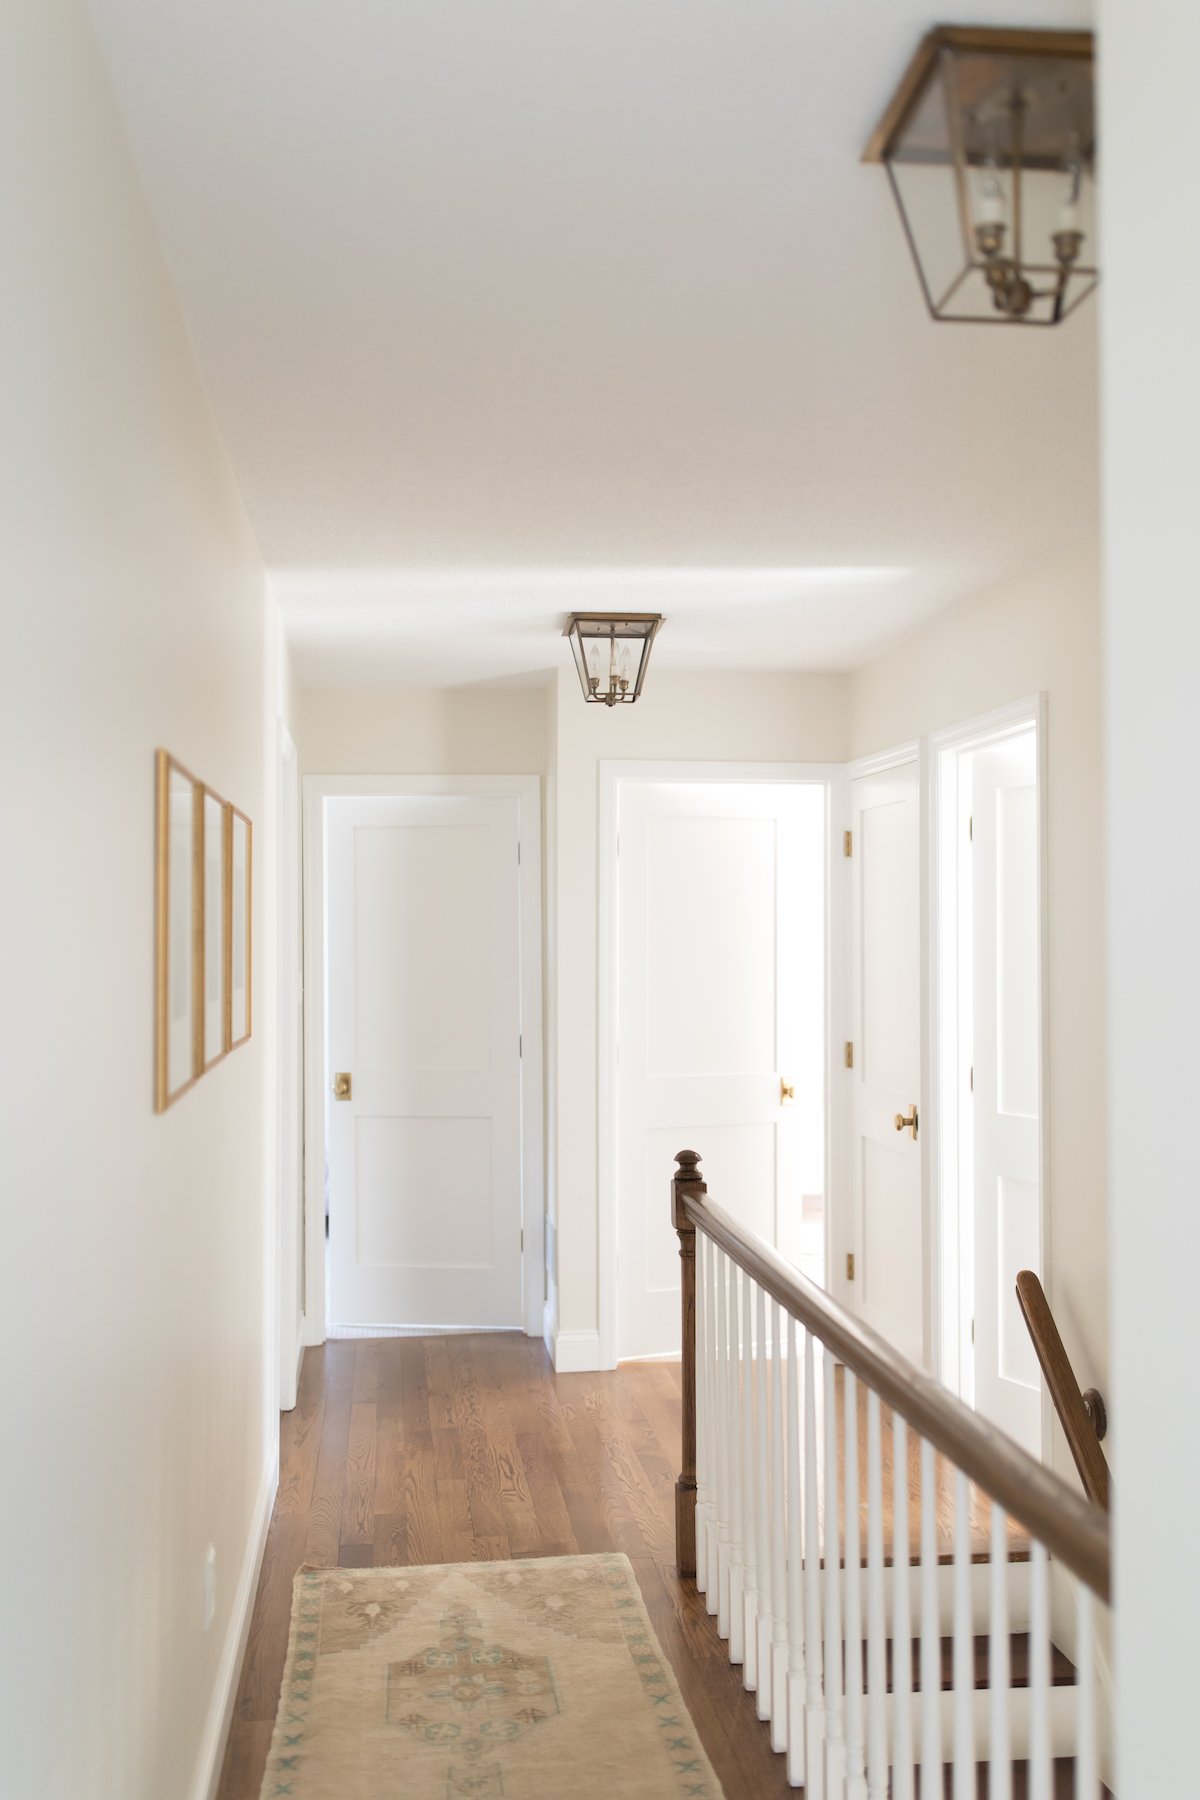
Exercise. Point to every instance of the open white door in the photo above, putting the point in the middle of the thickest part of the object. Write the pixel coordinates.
(1006, 1041)
(885, 1002)
(721, 1005)
(424, 1019)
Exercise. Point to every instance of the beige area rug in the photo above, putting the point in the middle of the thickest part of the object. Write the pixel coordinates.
(531, 1680)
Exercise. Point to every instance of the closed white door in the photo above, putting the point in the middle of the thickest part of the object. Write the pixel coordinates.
(424, 1021)
(721, 1004)
(1006, 1041)
(885, 999)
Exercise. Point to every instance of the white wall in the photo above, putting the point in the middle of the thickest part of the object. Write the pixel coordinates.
(137, 1285)
(1150, 373)
(439, 731)
(745, 718)
(1038, 633)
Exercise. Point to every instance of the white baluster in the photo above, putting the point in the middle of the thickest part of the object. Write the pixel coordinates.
(877, 1768)
(964, 1647)
(902, 1746)
(796, 1584)
(1087, 1781)
(763, 1491)
(779, 1599)
(737, 1468)
(1040, 1773)
(856, 1764)
(721, 1413)
(712, 1581)
(999, 1663)
(835, 1738)
(702, 1376)
(814, 1706)
(931, 1636)
(749, 1495)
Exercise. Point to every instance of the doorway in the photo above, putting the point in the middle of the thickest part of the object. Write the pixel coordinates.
(717, 1020)
(989, 953)
(424, 1192)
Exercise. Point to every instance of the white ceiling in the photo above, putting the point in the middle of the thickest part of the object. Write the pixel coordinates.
(505, 306)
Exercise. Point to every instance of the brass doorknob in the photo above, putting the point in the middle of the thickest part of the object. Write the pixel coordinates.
(908, 1121)
(341, 1086)
(787, 1091)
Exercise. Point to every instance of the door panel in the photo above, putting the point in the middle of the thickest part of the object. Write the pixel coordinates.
(885, 942)
(424, 1015)
(721, 991)
(1006, 1036)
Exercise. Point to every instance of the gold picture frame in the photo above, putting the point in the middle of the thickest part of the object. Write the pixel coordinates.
(239, 934)
(203, 929)
(213, 969)
(178, 925)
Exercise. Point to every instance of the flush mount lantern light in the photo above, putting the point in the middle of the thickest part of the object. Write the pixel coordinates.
(611, 652)
(989, 143)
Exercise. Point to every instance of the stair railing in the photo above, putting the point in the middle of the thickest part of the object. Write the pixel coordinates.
(1083, 1416)
(800, 1425)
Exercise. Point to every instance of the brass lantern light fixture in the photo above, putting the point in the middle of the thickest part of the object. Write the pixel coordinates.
(611, 652)
(990, 147)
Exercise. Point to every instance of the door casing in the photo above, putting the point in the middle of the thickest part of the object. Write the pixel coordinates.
(612, 775)
(526, 789)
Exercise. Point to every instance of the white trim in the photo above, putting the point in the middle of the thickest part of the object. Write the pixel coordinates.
(289, 1028)
(882, 760)
(220, 1712)
(987, 729)
(527, 791)
(612, 775)
(549, 1326)
(577, 1352)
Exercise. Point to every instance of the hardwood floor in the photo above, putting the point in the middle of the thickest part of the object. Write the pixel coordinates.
(448, 1449)
(415, 1450)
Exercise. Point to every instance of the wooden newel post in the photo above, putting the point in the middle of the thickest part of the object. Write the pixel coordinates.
(687, 1181)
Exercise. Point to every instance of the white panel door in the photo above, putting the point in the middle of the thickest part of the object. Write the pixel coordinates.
(721, 996)
(885, 1000)
(1006, 1050)
(424, 1017)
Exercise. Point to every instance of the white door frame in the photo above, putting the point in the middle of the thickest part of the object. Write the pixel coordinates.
(289, 1148)
(942, 989)
(612, 775)
(898, 757)
(527, 791)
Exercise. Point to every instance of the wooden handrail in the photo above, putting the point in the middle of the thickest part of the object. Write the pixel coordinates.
(1080, 1425)
(1072, 1529)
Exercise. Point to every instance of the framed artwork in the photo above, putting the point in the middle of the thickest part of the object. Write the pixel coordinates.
(178, 918)
(239, 888)
(210, 1016)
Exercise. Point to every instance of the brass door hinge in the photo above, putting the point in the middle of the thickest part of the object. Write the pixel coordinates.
(847, 843)
(850, 1265)
(849, 1055)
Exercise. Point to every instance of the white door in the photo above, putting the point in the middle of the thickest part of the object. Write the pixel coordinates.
(1006, 1039)
(721, 999)
(885, 1002)
(424, 1019)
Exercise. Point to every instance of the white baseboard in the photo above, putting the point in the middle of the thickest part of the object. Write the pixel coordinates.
(220, 1712)
(576, 1352)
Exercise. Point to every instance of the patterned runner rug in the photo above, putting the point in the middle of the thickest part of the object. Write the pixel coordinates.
(531, 1680)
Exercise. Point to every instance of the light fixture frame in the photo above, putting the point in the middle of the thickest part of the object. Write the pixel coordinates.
(642, 629)
(933, 57)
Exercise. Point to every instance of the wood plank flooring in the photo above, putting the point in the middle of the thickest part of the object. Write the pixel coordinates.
(451, 1449)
